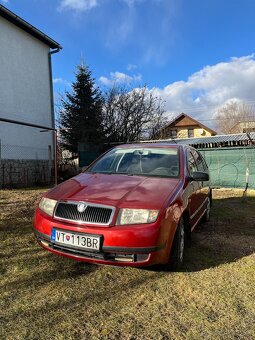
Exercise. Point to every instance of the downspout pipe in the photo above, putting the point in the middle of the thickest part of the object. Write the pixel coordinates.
(54, 134)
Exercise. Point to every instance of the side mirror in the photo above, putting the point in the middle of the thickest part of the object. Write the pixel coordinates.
(200, 176)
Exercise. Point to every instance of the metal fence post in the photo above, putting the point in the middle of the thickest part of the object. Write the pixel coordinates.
(56, 157)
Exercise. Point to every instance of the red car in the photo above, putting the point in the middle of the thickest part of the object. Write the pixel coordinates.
(136, 205)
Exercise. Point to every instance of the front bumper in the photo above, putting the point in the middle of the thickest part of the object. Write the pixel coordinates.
(139, 245)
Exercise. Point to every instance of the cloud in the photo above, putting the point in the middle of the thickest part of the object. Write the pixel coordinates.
(5, 1)
(120, 78)
(77, 5)
(131, 3)
(211, 87)
(131, 67)
(153, 44)
(61, 81)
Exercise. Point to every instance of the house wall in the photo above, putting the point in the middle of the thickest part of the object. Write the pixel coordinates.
(25, 94)
(197, 133)
(182, 132)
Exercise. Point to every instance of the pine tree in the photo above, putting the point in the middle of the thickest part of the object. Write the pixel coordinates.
(81, 112)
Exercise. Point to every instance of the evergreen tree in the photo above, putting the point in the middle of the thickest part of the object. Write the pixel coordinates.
(81, 112)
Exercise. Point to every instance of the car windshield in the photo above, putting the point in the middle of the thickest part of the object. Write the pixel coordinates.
(162, 162)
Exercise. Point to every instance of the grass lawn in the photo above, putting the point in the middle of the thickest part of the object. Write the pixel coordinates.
(44, 296)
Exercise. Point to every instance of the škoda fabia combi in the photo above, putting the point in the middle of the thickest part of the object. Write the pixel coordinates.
(136, 205)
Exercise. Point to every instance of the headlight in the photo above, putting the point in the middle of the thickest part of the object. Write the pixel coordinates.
(47, 205)
(137, 216)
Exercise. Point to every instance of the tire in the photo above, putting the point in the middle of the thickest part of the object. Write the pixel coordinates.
(178, 247)
(206, 216)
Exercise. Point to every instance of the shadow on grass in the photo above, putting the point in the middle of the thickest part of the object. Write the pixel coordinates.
(16, 231)
(45, 268)
(19, 209)
(227, 237)
(93, 296)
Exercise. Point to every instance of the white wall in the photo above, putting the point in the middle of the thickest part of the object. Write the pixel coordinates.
(24, 92)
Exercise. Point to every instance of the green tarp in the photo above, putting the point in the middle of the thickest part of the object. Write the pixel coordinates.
(228, 166)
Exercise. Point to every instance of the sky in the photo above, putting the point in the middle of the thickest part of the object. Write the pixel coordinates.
(196, 55)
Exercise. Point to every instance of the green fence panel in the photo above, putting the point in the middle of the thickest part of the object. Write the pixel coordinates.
(87, 153)
(228, 166)
(87, 157)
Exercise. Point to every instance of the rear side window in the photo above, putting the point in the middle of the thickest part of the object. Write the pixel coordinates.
(192, 166)
(195, 162)
(200, 162)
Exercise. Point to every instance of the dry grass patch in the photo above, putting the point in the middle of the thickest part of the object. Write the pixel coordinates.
(44, 296)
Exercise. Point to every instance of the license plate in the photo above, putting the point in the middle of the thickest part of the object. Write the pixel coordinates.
(75, 240)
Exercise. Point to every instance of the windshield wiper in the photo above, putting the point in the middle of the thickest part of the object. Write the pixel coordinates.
(110, 173)
(122, 173)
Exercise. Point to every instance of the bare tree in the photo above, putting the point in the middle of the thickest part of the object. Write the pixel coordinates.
(130, 115)
(235, 117)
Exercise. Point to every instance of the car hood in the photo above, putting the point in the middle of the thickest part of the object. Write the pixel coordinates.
(116, 190)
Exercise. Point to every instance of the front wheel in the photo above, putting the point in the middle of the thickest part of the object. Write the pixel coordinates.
(178, 246)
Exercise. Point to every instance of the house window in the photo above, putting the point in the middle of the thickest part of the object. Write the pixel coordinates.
(173, 133)
(190, 133)
(248, 130)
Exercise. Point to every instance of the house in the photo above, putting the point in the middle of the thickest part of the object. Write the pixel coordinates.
(243, 127)
(26, 95)
(184, 126)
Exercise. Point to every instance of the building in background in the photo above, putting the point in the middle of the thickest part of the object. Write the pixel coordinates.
(243, 127)
(25, 95)
(184, 126)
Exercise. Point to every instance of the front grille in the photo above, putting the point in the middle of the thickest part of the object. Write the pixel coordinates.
(94, 214)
